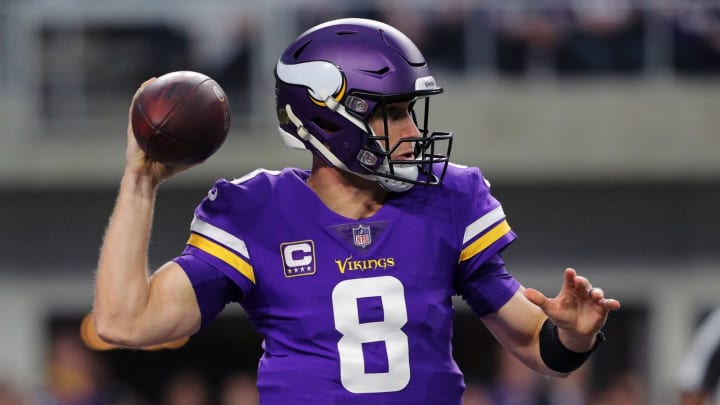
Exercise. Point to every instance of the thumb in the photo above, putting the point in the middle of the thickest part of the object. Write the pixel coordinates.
(536, 297)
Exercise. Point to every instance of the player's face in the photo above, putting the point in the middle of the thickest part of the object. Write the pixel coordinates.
(400, 125)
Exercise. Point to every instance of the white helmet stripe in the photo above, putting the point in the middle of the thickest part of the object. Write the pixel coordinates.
(305, 135)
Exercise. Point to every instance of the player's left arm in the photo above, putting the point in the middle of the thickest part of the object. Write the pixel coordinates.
(576, 316)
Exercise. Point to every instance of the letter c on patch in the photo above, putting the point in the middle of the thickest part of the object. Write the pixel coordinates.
(298, 254)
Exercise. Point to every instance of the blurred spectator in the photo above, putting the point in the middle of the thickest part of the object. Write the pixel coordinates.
(445, 37)
(698, 375)
(146, 50)
(74, 373)
(475, 394)
(10, 394)
(239, 389)
(696, 39)
(572, 390)
(233, 71)
(77, 376)
(514, 384)
(607, 38)
(94, 60)
(409, 20)
(187, 387)
(624, 388)
(530, 39)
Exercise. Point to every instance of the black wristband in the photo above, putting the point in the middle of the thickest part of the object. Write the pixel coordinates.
(558, 357)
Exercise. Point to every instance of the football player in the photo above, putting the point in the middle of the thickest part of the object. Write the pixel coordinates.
(348, 270)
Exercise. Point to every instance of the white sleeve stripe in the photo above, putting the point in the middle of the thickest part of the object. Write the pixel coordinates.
(483, 223)
(693, 366)
(254, 173)
(219, 235)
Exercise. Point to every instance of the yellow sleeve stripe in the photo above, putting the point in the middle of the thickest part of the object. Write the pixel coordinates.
(497, 232)
(224, 254)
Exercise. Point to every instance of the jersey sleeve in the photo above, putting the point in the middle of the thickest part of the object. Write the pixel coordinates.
(485, 232)
(213, 290)
(488, 288)
(216, 257)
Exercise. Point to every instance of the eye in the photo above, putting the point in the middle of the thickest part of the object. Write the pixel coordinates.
(394, 112)
(397, 112)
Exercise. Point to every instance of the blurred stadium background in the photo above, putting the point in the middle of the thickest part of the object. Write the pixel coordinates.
(595, 120)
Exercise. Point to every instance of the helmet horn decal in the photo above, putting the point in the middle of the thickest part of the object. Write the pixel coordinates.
(322, 79)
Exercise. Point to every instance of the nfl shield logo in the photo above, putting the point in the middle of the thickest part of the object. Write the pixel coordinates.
(361, 236)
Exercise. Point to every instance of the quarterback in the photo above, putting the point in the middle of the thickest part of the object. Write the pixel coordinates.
(348, 269)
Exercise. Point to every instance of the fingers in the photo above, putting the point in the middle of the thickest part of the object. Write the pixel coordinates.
(132, 144)
(580, 284)
(575, 286)
(130, 108)
(142, 86)
(598, 295)
(610, 304)
(570, 276)
(584, 288)
(138, 91)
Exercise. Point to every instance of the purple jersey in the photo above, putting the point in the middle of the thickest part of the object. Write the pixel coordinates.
(353, 311)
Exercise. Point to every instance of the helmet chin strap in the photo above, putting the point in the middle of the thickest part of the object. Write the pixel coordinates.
(306, 136)
(409, 172)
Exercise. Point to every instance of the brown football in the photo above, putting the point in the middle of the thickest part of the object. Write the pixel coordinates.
(181, 118)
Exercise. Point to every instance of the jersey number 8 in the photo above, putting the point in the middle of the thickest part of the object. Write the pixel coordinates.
(354, 333)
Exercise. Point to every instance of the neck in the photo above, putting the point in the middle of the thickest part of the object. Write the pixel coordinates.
(345, 193)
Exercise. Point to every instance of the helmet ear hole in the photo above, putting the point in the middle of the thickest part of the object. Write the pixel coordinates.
(326, 125)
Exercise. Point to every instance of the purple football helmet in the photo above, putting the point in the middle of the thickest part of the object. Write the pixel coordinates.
(334, 76)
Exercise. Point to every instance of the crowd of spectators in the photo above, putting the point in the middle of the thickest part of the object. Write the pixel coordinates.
(565, 38)
(578, 38)
(557, 39)
(78, 375)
